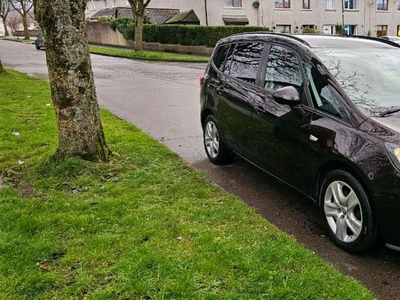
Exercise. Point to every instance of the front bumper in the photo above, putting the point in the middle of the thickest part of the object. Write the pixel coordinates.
(387, 203)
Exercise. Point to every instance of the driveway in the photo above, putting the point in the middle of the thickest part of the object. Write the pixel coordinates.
(162, 99)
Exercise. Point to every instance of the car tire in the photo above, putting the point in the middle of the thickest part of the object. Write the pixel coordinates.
(216, 150)
(347, 213)
(37, 47)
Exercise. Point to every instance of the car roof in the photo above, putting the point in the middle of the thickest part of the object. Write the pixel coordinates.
(345, 42)
(318, 41)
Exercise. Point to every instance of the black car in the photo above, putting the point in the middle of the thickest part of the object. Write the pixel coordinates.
(39, 42)
(321, 114)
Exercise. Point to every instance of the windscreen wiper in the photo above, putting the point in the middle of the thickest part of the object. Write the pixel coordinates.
(389, 111)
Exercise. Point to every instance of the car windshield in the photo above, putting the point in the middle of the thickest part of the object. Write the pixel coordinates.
(371, 78)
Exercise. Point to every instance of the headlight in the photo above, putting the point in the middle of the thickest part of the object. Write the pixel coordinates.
(393, 151)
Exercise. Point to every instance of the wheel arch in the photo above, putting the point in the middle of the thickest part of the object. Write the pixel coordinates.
(204, 114)
(331, 165)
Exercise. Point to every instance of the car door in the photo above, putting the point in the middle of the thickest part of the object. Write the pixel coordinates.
(279, 133)
(332, 135)
(236, 90)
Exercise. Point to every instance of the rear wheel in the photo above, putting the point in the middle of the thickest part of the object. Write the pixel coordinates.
(215, 147)
(37, 46)
(347, 212)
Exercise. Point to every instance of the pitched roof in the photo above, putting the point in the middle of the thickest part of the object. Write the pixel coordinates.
(188, 17)
(156, 15)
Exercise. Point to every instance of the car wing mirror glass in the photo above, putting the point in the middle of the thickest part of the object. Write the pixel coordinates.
(287, 95)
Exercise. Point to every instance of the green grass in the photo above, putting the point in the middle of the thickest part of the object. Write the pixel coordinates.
(143, 226)
(126, 53)
(148, 55)
(17, 39)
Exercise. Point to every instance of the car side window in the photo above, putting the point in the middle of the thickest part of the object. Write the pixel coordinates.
(283, 69)
(323, 94)
(244, 61)
(219, 57)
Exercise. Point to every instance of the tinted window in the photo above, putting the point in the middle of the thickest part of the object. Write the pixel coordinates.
(283, 69)
(219, 57)
(324, 94)
(244, 61)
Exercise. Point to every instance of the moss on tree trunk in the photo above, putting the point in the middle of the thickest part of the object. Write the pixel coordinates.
(73, 92)
(2, 70)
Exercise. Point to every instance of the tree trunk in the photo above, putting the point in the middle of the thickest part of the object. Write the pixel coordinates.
(139, 32)
(25, 24)
(73, 92)
(6, 33)
(2, 70)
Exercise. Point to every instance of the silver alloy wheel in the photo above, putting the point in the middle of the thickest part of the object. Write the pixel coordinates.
(343, 211)
(211, 139)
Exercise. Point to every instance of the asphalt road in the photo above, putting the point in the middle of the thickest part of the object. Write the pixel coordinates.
(162, 99)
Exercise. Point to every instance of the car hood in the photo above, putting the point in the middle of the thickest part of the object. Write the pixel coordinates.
(387, 128)
(392, 122)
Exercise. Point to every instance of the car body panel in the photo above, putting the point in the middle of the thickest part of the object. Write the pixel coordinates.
(298, 145)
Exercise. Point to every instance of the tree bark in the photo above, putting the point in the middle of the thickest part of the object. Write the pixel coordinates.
(138, 10)
(73, 92)
(23, 7)
(139, 32)
(6, 32)
(5, 8)
(25, 24)
(2, 70)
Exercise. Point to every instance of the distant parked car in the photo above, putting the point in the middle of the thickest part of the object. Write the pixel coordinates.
(392, 38)
(39, 42)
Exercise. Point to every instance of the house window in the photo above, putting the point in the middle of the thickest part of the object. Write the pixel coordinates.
(398, 30)
(329, 29)
(381, 30)
(329, 4)
(382, 4)
(350, 29)
(105, 3)
(114, 3)
(233, 3)
(306, 4)
(398, 5)
(283, 28)
(350, 4)
(308, 28)
(282, 3)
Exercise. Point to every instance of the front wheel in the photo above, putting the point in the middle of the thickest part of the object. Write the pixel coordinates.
(215, 147)
(347, 212)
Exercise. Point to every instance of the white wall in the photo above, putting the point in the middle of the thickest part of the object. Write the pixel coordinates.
(365, 17)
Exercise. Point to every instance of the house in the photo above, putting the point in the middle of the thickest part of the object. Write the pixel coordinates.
(362, 17)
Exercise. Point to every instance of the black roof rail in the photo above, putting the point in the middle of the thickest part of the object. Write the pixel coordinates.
(372, 38)
(275, 33)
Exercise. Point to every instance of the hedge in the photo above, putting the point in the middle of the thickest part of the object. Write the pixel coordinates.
(192, 35)
(188, 35)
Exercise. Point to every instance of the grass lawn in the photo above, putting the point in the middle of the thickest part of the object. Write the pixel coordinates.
(17, 39)
(127, 53)
(143, 226)
(147, 55)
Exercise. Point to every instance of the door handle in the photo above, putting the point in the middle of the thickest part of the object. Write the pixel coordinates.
(260, 110)
(219, 90)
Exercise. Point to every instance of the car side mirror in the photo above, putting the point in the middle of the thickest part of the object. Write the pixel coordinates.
(287, 95)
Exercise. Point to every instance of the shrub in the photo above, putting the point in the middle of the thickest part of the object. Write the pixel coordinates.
(124, 25)
(187, 35)
(192, 35)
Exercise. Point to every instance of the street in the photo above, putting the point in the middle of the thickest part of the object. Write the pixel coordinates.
(162, 99)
